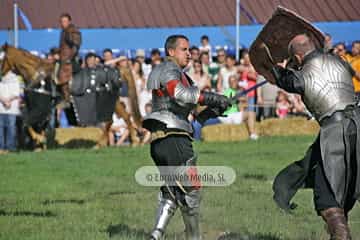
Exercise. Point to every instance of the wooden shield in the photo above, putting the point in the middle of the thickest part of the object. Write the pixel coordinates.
(275, 37)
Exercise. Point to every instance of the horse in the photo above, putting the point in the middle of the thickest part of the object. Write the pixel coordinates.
(38, 75)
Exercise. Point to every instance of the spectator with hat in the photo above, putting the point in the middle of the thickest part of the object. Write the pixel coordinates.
(146, 68)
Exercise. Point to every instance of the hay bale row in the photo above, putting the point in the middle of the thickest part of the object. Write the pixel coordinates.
(269, 127)
(212, 133)
(66, 135)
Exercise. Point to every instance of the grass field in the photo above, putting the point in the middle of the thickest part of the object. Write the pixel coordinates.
(92, 194)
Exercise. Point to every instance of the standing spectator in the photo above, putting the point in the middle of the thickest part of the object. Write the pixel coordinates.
(146, 68)
(354, 60)
(195, 53)
(266, 99)
(221, 57)
(155, 57)
(9, 109)
(54, 55)
(225, 72)
(70, 41)
(138, 76)
(282, 105)
(143, 94)
(205, 61)
(195, 56)
(98, 60)
(201, 79)
(328, 42)
(214, 68)
(248, 80)
(340, 50)
(107, 56)
(205, 45)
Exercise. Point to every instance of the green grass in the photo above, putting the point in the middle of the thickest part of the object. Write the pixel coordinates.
(92, 194)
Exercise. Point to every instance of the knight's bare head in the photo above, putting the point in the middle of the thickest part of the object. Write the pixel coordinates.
(301, 45)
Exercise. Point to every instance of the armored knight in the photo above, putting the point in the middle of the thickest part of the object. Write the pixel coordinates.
(324, 82)
(94, 92)
(174, 98)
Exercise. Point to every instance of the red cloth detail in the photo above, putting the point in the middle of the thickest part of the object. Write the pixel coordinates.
(170, 87)
(158, 92)
(194, 177)
(201, 98)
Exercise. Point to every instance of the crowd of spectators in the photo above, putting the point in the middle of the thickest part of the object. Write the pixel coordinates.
(210, 70)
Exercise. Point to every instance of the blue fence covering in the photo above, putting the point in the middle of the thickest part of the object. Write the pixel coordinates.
(128, 40)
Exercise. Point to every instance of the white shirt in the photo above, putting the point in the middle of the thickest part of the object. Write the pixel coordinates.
(225, 73)
(10, 87)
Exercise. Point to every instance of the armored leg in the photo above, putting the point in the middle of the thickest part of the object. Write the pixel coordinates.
(191, 215)
(165, 212)
(336, 223)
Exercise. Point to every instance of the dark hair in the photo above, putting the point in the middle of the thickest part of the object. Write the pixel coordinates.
(171, 42)
(355, 42)
(54, 51)
(155, 51)
(107, 50)
(204, 53)
(89, 55)
(66, 15)
(199, 62)
(230, 56)
(204, 37)
(194, 48)
(141, 72)
(340, 44)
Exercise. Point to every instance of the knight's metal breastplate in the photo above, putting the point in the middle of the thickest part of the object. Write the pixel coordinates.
(328, 86)
(165, 109)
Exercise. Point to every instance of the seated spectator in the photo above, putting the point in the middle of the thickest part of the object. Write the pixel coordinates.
(145, 135)
(297, 105)
(9, 108)
(201, 79)
(119, 132)
(233, 115)
(282, 105)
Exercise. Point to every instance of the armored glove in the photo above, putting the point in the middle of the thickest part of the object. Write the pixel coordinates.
(215, 100)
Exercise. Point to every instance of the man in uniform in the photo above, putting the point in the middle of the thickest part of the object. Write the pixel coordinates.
(70, 41)
(174, 98)
(325, 83)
